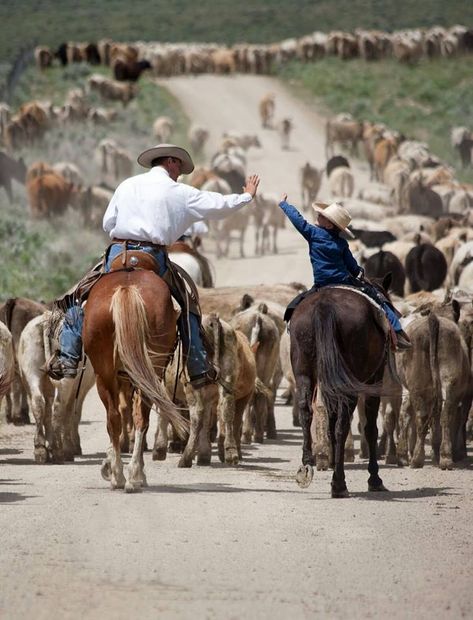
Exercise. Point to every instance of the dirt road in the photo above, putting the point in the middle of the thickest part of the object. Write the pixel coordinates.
(220, 542)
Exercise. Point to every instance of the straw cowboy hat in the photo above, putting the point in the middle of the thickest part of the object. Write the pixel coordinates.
(337, 214)
(167, 150)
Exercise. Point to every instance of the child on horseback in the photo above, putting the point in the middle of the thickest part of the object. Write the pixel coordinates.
(332, 260)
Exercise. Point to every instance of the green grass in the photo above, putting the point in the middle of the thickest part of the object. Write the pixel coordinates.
(50, 22)
(42, 259)
(423, 101)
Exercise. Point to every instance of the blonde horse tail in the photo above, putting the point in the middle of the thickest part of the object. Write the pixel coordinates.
(131, 348)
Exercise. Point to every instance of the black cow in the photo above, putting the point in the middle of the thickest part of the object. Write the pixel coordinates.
(426, 268)
(380, 264)
(129, 71)
(336, 162)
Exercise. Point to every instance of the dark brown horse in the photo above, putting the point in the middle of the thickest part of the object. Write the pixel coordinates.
(11, 169)
(129, 335)
(338, 351)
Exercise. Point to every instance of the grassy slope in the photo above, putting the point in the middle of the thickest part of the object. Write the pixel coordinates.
(50, 22)
(423, 101)
(42, 259)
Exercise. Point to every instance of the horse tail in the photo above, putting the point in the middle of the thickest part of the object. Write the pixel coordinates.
(335, 380)
(434, 327)
(131, 338)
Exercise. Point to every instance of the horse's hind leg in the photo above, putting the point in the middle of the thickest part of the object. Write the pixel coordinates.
(136, 474)
(339, 432)
(371, 431)
(112, 467)
(304, 393)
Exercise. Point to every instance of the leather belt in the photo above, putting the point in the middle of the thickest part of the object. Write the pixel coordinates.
(140, 243)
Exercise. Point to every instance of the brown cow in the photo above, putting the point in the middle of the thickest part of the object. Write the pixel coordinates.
(343, 130)
(266, 110)
(49, 195)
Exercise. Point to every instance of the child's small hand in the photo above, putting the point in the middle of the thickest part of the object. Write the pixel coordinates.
(284, 198)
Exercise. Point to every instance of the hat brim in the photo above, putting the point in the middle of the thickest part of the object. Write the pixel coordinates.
(167, 150)
(347, 231)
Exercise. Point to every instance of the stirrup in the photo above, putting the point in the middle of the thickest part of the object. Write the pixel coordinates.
(206, 378)
(60, 368)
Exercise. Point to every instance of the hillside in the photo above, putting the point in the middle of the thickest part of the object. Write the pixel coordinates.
(260, 21)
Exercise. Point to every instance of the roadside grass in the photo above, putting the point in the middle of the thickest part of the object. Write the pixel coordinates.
(423, 101)
(42, 259)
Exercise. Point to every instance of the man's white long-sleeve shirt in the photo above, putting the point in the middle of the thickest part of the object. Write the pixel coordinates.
(152, 207)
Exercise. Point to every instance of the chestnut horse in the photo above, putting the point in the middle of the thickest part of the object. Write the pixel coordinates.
(129, 334)
(338, 351)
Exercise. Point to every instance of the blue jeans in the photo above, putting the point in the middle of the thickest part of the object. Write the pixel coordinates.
(190, 332)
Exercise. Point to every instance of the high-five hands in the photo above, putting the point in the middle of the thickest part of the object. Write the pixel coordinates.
(251, 185)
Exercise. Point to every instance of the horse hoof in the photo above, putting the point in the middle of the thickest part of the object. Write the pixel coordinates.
(159, 454)
(246, 438)
(41, 455)
(322, 463)
(340, 494)
(377, 488)
(58, 458)
(203, 459)
(221, 455)
(106, 471)
(272, 435)
(417, 464)
(391, 459)
(304, 476)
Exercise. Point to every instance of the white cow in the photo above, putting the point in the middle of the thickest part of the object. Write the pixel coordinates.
(56, 405)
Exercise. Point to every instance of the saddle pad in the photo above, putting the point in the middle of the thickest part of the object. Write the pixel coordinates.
(356, 290)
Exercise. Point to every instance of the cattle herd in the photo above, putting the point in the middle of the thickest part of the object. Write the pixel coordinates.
(412, 219)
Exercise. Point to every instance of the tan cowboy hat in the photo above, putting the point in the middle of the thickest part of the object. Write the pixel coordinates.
(167, 150)
(337, 214)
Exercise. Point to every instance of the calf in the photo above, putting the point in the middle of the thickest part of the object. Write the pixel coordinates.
(437, 392)
(56, 405)
(263, 336)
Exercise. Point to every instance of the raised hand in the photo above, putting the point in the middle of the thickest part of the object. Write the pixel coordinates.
(251, 185)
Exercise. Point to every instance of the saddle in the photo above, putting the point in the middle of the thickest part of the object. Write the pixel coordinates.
(178, 280)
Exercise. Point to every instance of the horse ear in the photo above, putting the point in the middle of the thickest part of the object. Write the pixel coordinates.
(387, 280)
(456, 310)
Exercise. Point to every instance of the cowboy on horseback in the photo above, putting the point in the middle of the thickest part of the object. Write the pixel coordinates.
(332, 260)
(148, 212)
